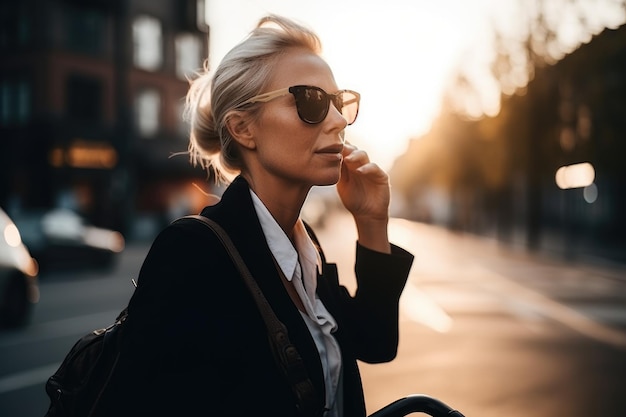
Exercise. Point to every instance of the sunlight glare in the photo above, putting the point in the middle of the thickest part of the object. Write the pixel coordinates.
(402, 55)
(399, 57)
(421, 308)
(575, 176)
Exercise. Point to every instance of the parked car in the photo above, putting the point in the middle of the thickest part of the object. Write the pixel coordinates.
(61, 238)
(19, 289)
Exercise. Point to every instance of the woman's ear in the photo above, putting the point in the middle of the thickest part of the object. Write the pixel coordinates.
(238, 125)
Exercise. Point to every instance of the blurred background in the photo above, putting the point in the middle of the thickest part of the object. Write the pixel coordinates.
(473, 107)
(501, 122)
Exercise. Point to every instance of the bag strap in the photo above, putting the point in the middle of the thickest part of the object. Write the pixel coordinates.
(285, 353)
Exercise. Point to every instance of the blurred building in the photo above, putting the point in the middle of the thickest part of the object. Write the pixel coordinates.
(91, 97)
(546, 173)
(583, 193)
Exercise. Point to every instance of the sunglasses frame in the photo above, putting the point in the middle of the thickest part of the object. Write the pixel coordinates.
(265, 97)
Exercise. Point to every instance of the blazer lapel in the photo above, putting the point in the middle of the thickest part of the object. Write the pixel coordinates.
(235, 213)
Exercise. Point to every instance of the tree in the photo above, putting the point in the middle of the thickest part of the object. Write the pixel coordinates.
(536, 35)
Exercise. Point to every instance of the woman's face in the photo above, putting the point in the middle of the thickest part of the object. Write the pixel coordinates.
(288, 149)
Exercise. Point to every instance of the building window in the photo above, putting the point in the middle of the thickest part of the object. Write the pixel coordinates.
(188, 59)
(201, 21)
(15, 101)
(84, 98)
(85, 30)
(147, 111)
(147, 43)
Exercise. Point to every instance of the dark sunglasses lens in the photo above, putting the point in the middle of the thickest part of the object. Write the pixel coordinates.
(312, 104)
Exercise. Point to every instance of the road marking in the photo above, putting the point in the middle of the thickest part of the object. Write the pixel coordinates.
(49, 330)
(557, 311)
(421, 308)
(27, 378)
(517, 294)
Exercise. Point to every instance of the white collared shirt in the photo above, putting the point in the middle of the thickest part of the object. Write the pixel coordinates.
(300, 265)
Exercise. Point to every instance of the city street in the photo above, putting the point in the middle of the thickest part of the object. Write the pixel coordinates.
(495, 332)
(488, 330)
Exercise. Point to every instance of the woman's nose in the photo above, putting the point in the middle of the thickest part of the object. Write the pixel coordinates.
(335, 117)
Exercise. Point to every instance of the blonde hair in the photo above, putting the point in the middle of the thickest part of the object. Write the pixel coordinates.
(243, 73)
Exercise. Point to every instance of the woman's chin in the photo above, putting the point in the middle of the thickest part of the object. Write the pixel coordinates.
(328, 180)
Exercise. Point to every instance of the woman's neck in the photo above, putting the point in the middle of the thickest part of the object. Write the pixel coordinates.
(282, 201)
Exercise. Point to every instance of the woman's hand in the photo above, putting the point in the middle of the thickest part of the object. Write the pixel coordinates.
(364, 191)
(363, 187)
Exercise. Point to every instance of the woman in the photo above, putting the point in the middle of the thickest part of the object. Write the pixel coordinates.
(273, 115)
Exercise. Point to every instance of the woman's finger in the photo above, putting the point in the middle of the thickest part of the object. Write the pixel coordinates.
(373, 171)
(358, 157)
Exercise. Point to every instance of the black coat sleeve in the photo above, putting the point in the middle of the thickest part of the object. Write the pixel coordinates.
(368, 321)
(373, 312)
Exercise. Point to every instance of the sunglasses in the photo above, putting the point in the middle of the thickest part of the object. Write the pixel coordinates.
(313, 103)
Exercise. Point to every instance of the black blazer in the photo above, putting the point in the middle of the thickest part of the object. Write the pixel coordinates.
(196, 343)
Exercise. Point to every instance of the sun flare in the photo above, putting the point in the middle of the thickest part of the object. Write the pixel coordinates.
(399, 57)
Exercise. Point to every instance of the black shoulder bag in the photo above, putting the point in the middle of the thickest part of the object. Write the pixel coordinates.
(77, 386)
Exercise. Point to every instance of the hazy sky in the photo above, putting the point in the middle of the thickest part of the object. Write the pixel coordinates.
(398, 54)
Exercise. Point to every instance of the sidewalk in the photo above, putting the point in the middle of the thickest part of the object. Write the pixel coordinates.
(580, 256)
(461, 270)
(340, 228)
(493, 327)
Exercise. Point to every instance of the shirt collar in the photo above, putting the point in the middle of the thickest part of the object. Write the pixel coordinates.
(282, 248)
(285, 254)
